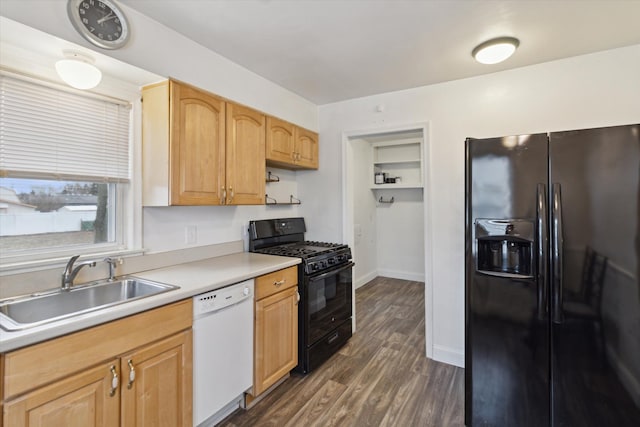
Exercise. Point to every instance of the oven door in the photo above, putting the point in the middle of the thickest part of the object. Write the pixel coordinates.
(327, 301)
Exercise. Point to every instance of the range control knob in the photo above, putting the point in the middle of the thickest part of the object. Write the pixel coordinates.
(331, 261)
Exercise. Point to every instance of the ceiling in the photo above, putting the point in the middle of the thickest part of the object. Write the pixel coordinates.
(331, 50)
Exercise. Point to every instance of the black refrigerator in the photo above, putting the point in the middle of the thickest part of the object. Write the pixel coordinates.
(552, 261)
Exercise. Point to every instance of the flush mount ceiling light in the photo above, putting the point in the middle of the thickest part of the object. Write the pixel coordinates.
(495, 50)
(77, 70)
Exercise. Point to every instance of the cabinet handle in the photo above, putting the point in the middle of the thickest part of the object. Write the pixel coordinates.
(298, 297)
(280, 282)
(132, 374)
(223, 195)
(293, 156)
(232, 194)
(114, 381)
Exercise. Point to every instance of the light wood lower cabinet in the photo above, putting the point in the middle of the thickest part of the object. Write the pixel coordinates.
(276, 328)
(160, 393)
(81, 400)
(135, 371)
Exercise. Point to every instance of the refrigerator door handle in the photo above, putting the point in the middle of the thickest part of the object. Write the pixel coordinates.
(543, 280)
(557, 243)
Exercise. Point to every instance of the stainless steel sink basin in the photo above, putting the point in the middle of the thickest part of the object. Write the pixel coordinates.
(27, 312)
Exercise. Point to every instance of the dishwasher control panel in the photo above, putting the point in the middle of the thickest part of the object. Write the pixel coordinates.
(223, 297)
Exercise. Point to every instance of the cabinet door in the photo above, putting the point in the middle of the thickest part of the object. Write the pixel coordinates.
(81, 400)
(306, 149)
(276, 338)
(197, 147)
(157, 383)
(280, 141)
(245, 156)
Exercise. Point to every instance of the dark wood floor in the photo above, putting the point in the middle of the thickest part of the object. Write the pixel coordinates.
(381, 377)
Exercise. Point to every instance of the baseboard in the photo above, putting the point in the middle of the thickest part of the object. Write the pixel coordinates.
(404, 275)
(223, 413)
(363, 280)
(448, 355)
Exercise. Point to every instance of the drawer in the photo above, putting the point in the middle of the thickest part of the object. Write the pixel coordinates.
(275, 282)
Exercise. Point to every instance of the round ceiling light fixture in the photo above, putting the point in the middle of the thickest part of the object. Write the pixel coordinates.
(495, 50)
(77, 70)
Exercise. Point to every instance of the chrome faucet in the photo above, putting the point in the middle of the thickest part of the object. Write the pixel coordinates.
(70, 272)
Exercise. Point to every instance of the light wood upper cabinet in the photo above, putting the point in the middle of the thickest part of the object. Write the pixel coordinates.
(197, 146)
(306, 148)
(199, 149)
(245, 158)
(280, 141)
(276, 328)
(289, 146)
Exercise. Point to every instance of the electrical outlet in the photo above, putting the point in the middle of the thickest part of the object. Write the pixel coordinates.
(191, 234)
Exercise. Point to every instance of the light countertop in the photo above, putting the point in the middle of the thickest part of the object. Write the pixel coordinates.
(193, 278)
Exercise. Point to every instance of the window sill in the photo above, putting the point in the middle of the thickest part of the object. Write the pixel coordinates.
(16, 265)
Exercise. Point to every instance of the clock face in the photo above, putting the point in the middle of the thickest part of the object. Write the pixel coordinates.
(99, 21)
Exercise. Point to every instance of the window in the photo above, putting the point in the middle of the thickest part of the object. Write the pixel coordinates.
(64, 168)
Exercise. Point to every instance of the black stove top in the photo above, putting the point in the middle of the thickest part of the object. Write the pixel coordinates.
(301, 249)
(285, 237)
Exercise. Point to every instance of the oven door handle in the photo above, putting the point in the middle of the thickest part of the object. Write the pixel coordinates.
(331, 272)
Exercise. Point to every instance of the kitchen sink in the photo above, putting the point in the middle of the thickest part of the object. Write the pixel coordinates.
(38, 309)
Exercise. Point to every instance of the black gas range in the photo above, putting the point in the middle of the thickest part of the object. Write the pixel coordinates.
(324, 284)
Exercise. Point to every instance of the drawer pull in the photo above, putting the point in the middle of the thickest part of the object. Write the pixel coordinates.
(332, 338)
(132, 374)
(280, 282)
(114, 381)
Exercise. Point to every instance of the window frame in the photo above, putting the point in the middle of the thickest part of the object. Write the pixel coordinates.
(127, 198)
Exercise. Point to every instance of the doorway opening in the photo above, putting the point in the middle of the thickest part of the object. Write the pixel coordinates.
(387, 215)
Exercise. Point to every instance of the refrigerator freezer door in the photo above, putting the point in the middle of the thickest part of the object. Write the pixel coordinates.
(596, 340)
(507, 364)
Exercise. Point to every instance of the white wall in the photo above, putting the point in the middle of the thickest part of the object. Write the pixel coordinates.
(365, 242)
(400, 230)
(158, 49)
(587, 91)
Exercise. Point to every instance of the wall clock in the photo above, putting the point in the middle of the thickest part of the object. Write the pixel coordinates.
(101, 22)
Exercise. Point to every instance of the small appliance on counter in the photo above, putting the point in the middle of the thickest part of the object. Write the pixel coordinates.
(324, 284)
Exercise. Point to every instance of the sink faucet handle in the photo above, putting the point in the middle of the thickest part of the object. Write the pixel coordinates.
(112, 262)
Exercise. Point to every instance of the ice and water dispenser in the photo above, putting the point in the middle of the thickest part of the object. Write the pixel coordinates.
(505, 247)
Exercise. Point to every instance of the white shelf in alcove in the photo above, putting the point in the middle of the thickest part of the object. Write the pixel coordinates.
(397, 162)
(397, 186)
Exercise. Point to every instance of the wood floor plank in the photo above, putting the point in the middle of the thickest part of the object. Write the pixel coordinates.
(381, 377)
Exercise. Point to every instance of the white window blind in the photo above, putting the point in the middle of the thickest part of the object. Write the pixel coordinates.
(53, 134)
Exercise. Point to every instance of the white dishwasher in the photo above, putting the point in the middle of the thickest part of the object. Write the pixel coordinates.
(222, 351)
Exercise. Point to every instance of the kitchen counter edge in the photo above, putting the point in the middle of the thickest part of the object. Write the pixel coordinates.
(193, 278)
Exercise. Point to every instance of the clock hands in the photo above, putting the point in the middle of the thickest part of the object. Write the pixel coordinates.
(106, 18)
